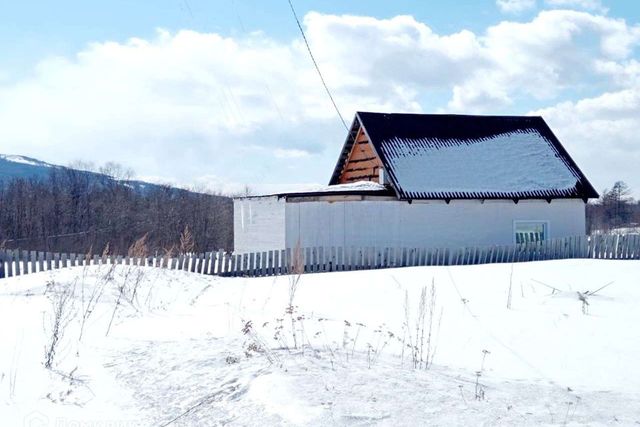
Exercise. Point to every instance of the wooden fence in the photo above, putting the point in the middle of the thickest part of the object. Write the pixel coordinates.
(311, 260)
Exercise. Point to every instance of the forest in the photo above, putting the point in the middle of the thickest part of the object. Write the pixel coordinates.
(78, 211)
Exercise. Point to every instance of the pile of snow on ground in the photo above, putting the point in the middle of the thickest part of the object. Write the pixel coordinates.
(532, 343)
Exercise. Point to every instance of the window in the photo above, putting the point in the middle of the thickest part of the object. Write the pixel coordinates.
(530, 231)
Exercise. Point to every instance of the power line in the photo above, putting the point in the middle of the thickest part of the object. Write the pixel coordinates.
(306, 42)
(188, 6)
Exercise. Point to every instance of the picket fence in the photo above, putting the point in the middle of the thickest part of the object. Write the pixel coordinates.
(322, 259)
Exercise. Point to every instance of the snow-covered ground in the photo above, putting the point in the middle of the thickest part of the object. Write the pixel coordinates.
(186, 349)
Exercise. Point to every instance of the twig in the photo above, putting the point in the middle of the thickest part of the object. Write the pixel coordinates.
(548, 286)
(597, 290)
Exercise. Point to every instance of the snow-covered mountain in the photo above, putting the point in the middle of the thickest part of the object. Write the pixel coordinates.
(14, 166)
(17, 166)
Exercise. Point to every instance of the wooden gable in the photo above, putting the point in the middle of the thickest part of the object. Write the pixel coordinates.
(362, 164)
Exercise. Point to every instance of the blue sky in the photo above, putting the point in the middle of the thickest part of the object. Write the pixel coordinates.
(31, 29)
(221, 93)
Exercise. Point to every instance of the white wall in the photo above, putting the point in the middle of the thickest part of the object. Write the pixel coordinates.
(425, 224)
(258, 224)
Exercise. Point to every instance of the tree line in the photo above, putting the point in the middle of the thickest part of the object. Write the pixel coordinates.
(77, 211)
(615, 209)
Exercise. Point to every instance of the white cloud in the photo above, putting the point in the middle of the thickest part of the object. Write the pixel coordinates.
(601, 132)
(252, 110)
(623, 73)
(592, 5)
(515, 6)
(556, 50)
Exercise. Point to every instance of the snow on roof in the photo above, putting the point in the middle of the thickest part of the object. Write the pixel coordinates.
(505, 163)
(438, 156)
(359, 187)
(352, 186)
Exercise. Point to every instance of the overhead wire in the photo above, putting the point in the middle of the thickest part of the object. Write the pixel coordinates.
(315, 63)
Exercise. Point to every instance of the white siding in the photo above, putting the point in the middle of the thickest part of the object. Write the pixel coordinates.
(258, 224)
(425, 224)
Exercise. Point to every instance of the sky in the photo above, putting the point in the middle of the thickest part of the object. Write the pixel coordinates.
(220, 95)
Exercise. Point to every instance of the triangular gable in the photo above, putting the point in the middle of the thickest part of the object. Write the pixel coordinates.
(358, 160)
(363, 164)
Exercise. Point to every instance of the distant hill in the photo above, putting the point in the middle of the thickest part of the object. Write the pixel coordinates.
(16, 166)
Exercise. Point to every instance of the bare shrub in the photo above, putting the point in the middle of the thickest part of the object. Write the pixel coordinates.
(297, 268)
(479, 388)
(187, 242)
(61, 298)
(583, 297)
(256, 344)
(168, 256)
(87, 259)
(127, 289)
(139, 248)
(585, 303)
(422, 341)
(90, 301)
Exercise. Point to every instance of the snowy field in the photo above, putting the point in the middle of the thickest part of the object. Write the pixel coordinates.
(529, 344)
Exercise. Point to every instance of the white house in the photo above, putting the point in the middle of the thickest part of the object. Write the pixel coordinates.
(425, 180)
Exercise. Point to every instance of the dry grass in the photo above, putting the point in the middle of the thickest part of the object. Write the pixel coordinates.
(295, 274)
(187, 242)
(61, 298)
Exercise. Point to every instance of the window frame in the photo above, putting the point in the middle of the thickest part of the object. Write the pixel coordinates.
(546, 224)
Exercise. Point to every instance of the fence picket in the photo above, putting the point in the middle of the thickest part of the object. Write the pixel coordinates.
(321, 259)
(10, 269)
(246, 264)
(25, 262)
(286, 263)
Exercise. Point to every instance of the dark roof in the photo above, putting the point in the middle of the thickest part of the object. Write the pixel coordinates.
(444, 156)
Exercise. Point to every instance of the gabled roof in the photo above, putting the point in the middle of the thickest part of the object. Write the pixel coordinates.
(443, 156)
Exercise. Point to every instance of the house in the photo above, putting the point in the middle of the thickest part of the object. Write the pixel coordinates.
(429, 180)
